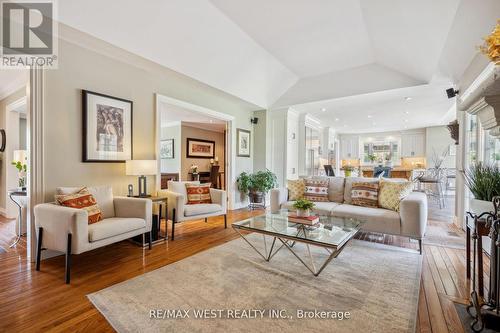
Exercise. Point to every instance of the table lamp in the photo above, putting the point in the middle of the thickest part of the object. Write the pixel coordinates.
(141, 168)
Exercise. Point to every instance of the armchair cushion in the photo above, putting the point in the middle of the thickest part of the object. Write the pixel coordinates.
(198, 194)
(81, 200)
(102, 194)
(180, 187)
(201, 209)
(114, 226)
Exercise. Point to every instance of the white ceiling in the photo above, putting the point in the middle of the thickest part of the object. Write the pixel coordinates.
(384, 111)
(288, 52)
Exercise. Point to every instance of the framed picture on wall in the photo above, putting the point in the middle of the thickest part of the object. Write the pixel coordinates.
(197, 148)
(167, 149)
(107, 128)
(243, 142)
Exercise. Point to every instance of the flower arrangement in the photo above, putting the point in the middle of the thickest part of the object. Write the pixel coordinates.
(491, 46)
(303, 204)
(194, 168)
(21, 167)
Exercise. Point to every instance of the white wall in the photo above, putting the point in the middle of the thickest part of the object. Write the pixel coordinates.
(172, 132)
(259, 140)
(88, 63)
(438, 139)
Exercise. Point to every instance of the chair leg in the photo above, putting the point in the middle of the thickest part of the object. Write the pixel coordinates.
(206, 220)
(225, 221)
(39, 248)
(420, 246)
(150, 239)
(68, 260)
(173, 223)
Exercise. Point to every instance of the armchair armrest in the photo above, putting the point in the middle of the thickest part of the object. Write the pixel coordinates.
(175, 200)
(413, 212)
(219, 197)
(134, 207)
(57, 222)
(278, 197)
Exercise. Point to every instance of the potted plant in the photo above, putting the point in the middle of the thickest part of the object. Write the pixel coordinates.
(194, 172)
(348, 169)
(303, 207)
(372, 158)
(483, 180)
(256, 185)
(21, 167)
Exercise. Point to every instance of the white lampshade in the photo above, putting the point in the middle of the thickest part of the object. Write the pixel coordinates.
(20, 156)
(141, 167)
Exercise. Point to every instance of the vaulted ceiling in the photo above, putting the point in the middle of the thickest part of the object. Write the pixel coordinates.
(275, 53)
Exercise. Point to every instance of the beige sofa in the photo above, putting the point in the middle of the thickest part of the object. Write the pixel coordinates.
(410, 221)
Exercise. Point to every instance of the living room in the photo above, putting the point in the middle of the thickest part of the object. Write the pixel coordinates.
(255, 166)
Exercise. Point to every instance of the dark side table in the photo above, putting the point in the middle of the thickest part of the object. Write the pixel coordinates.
(156, 223)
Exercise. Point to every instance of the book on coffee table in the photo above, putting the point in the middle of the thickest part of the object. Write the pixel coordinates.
(309, 220)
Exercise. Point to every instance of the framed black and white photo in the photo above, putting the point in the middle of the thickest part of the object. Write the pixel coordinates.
(243, 142)
(198, 148)
(167, 149)
(107, 128)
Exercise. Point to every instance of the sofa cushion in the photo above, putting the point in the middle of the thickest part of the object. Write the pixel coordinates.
(391, 193)
(316, 190)
(114, 226)
(201, 209)
(296, 189)
(365, 194)
(180, 187)
(198, 194)
(376, 219)
(81, 200)
(102, 194)
(322, 208)
(348, 186)
(335, 187)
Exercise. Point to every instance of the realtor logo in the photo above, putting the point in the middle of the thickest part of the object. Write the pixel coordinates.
(28, 34)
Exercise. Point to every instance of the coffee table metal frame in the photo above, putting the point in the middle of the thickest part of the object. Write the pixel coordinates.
(289, 242)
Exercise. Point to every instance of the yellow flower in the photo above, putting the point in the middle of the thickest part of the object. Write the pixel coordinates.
(491, 46)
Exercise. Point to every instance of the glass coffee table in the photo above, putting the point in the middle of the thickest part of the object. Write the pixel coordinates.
(330, 233)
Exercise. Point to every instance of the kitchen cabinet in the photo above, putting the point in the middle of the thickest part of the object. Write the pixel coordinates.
(349, 147)
(413, 145)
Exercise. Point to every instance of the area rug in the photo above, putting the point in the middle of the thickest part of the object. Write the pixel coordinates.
(440, 234)
(367, 288)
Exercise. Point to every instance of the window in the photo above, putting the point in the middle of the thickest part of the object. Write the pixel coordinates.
(472, 139)
(491, 149)
(377, 152)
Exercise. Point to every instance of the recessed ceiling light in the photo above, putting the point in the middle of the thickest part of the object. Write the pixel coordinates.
(406, 120)
(337, 119)
(408, 99)
(407, 112)
(370, 116)
(323, 109)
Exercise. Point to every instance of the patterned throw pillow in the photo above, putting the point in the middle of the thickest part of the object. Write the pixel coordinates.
(198, 194)
(364, 194)
(81, 200)
(391, 193)
(296, 189)
(316, 190)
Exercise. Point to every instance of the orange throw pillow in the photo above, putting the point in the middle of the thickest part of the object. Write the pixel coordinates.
(81, 200)
(198, 194)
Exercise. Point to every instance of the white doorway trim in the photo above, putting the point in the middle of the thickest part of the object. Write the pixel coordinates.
(230, 160)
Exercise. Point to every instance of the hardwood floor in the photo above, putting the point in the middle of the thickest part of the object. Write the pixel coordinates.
(40, 301)
(8, 236)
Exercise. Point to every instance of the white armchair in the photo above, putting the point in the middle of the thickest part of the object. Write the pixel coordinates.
(67, 230)
(180, 211)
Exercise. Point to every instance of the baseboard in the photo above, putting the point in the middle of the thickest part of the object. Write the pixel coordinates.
(3, 212)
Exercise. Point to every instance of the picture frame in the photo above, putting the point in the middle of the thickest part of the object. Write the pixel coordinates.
(198, 148)
(107, 128)
(167, 150)
(243, 142)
